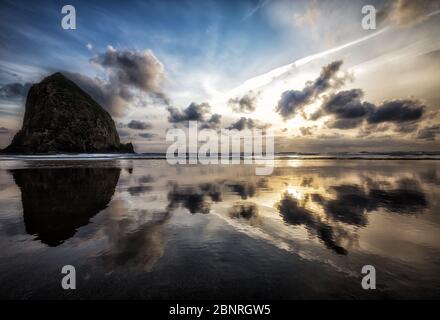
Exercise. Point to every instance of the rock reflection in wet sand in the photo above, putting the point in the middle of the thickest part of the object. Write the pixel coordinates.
(56, 202)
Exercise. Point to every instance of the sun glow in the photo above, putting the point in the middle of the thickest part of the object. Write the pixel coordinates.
(297, 193)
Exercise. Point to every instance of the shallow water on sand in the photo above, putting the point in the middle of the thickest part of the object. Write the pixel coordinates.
(139, 228)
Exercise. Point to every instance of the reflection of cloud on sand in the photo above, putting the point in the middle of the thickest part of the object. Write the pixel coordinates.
(315, 214)
(281, 242)
(294, 214)
(295, 208)
(246, 211)
(133, 243)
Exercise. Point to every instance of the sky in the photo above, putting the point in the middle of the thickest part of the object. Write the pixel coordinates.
(307, 69)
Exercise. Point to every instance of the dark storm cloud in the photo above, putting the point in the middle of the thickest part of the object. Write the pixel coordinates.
(404, 13)
(397, 111)
(194, 112)
(139, 125)
(347, 105)
(293, 100)
(14, 90)
(245, 104)
(348, 111)
(347, 108)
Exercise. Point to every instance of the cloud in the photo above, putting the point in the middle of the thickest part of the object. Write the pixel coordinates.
(331, 136)
(89, 46)
(428, 133)
(213, 122)
(404, 13)
(348, 111)
(246, 123)
(245, 104)
(242, 123)
(294, 100)
(194, 198)
(139, 125)
(261, 4)
(294, 213)
(352, 202)
(146, 135)
(136, 244)
(244, 210)
(291, 101)
(347, 105)
(309, 17)
(194, 112)
(403, 127)
(397, 111)
(344, 123)
(244, 189)
(113, 98)
(139, 69)
(129, 74)
(4, 130)
(14, 90)
(306, 131)
(123, 133)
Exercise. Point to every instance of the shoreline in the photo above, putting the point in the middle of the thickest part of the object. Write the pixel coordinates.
(163, 157)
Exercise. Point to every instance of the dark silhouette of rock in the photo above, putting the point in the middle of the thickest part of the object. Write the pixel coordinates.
(58, 201)
(60, 117)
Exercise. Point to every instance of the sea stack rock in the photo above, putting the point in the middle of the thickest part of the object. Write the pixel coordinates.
(62, 118)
